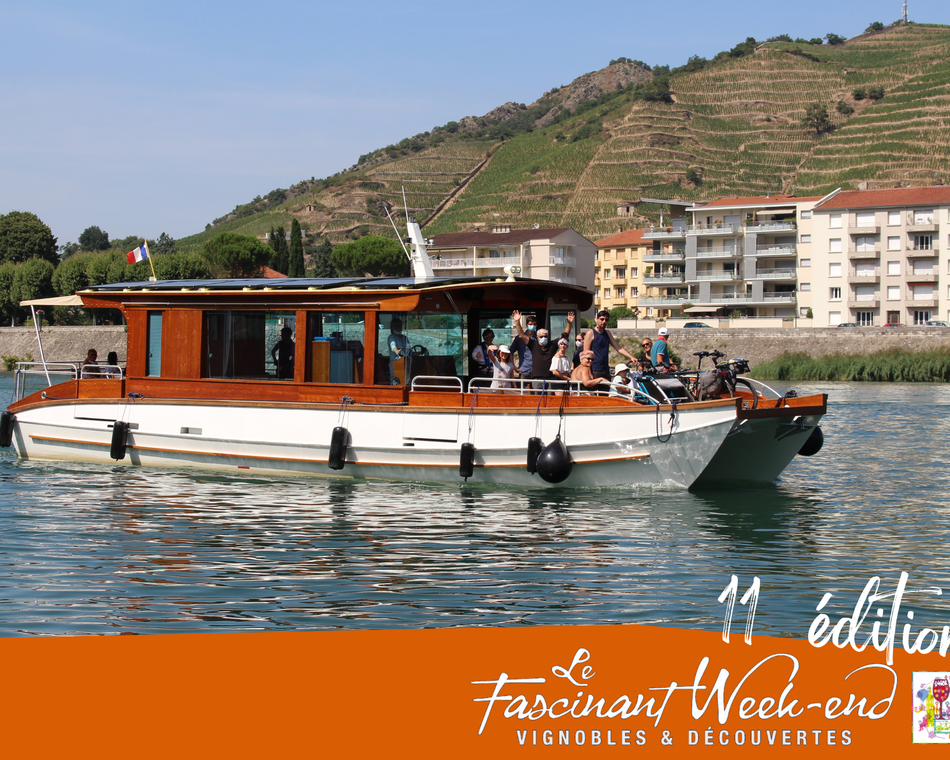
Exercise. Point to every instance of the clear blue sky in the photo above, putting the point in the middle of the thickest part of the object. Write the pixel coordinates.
(150, 118)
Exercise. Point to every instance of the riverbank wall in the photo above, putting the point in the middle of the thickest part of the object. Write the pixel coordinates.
(756, 346)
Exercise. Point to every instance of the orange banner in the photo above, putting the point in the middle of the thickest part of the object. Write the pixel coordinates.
(602, 690)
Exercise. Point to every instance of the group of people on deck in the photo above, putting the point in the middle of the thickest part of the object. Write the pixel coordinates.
(542, 361)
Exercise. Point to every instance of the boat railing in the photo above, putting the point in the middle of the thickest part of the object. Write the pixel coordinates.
(436, 383)
(27, 372)
(101, 371)
(527, 387)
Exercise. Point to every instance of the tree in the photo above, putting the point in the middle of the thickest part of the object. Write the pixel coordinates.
(182, 266)
(322, 260)
(164, 244)
(70, 276)
(834, 39)
(874, 27)
(234, 255)
(280, 261)
(859, 93)
(296, 266)
(876, 92)
(126, 244)
(845, 109)
(33, 278)
(7, 307)
(67, 250)
(372, 256)
(94, 239)
(23, 236)
(816, 117)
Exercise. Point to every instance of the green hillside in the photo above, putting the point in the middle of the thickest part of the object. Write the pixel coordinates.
(733, 126)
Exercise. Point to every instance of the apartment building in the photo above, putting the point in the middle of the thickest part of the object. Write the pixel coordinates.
(878, 255)
(619, 269)
(735, 256)
(558, 254)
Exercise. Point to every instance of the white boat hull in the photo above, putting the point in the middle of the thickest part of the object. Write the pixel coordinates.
(608, 448)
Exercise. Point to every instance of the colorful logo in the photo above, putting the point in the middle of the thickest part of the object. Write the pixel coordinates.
(931, 708)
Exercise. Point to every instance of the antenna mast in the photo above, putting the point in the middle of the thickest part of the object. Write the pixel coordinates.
(904, 20)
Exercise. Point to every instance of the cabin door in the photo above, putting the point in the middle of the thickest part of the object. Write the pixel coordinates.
(153, 345)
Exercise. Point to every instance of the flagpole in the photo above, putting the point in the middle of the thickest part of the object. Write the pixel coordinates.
(149, 256)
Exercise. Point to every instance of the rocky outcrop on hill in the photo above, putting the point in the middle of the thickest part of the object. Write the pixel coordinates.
(593, 85)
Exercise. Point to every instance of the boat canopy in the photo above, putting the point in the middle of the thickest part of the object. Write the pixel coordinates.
(55, 301)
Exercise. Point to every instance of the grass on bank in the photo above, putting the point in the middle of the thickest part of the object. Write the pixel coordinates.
(884, 366)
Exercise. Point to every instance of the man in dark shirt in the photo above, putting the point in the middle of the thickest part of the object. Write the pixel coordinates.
(541, 349)
(600, 341)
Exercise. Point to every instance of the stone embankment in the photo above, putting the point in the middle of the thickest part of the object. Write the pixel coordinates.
(759, 345)
(63, 344)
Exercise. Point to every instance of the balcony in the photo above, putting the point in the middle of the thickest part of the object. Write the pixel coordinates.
(775, 274)
(498, 261)
(712, 230)
(872, 304)
(715, 276)
(911, 276)
(924, 227)
(562, 261)
(923, 253)
(663, 301)
(674, 256)
(664, 233)
(662, 279)
(716, 253)
(452, 263)
(568, 280)
(771, 298)
(866, 253)
(872, 230)
(770, 226)
(776, 249)
(863, 279)
(923, 303)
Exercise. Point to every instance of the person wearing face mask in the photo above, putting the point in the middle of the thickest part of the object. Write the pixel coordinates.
(520, 347)
(578, 350)
(542, 349)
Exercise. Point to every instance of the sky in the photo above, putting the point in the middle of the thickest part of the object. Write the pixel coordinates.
(148, 118)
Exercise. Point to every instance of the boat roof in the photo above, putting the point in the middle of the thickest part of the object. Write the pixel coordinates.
(308, 283)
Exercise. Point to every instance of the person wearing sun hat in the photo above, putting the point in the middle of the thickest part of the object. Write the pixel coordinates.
(620, 385)
(502, 366)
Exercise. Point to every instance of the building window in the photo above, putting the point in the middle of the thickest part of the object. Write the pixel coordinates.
(834, 270)
(923, 216)
(834, 221)
(864, 293)
(634, 292)
(923, 242)
(607, 276)
(650, 311)
(607, 293)
(922, 317)
(865, 243)
(596, 255)
(804, 263)
(621, 273)
(894, 243)
(893, 218)
(834, 245)
(806, 238)
(893, 292)
(865, 318)
(834, 294)
(805, 287)
(865, 219)
(634, 272)
(806, 214)
(621, 291)
(894, 268)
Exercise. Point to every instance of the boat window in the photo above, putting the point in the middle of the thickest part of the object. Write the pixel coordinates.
(249, 345)
(153, 347)
(415, 343)
(559, 323)
(336, 346)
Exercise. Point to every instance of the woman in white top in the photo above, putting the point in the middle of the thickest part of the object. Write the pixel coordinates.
(560, 364)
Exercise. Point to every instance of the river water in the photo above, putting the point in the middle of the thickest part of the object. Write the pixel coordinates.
(93, 549)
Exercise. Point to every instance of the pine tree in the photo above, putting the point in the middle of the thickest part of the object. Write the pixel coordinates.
(296, 266)
(322, 265)
(280, 261)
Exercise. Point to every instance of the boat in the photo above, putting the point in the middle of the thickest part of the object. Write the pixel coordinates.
(373, 381)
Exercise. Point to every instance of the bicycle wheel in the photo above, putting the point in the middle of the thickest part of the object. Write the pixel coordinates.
(746, 385)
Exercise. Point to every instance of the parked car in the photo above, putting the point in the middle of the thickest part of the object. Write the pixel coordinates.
(695, 324)
(893, 324)
(936, 323)
(849, 324)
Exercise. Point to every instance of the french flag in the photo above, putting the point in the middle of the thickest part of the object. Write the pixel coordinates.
(137, 254)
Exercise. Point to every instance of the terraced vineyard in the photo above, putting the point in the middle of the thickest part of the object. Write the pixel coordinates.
(735, 123)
